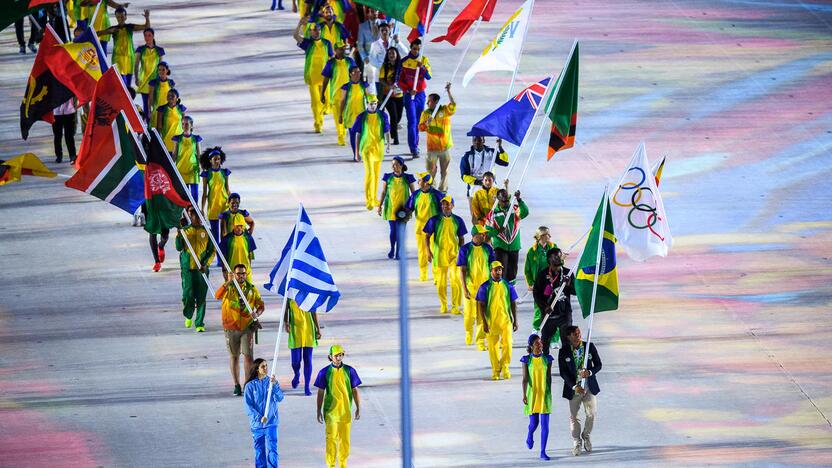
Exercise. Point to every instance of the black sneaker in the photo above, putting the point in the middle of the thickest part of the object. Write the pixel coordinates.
(33, 48)
(238, 391)
(59, 159)
(22, 50)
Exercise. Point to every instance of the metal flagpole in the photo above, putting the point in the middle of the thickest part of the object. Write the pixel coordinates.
(548, 106)
(193, 253)
(470, 41)
(520, 55)
(208, 228)
(601, 230)
(284, 308)
(404, 340)
(559, 293)
(65, 20)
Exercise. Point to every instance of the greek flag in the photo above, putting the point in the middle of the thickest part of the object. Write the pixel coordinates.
(311, 285)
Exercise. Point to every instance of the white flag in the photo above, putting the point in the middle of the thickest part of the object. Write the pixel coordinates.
(641, 224)
(503, 53)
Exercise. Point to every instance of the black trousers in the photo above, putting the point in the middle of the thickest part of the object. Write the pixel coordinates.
(509, 261)
(21, 34)
(394, 107)
(548, 332)
(64, 125)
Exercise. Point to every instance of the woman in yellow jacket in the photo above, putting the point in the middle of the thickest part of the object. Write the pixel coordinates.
(215, 188)
(353, 97)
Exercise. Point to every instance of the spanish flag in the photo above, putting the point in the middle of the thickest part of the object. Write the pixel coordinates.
(79, 64)
(25, 164)
(597, 277)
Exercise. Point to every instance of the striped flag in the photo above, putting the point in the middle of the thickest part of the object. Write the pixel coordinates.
(563, 112)
(112, 175)
(311, 284)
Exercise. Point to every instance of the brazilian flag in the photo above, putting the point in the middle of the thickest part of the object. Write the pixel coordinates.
(592, 270)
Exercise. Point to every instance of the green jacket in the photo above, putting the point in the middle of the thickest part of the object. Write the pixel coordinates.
(506, 239)
(536, 261)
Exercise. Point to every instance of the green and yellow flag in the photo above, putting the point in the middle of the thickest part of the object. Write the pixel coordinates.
(590, 269)
(13, 10)
(564, 111)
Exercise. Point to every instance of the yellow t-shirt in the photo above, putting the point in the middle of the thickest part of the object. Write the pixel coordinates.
(339, 411)
(482, 202)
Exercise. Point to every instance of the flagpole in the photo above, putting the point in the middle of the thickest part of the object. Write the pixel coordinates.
(520, 55)
(66, 20)
(428, 20)
(470, 41)
(193, 254)
(540, 131)
(404, 354)
(559, 293)
(601, 231)
(283, 309)
(207, 226)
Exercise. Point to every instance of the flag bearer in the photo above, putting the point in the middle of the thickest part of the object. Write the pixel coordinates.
(194, 288)
(436, 123)
(238, 324)
(505, 233)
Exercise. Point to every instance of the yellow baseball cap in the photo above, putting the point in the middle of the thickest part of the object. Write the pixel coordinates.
(447, 198)
(425, 177)
(335, 350)
(239, 220)
(372, 98)
(496, 264)
(480, 229)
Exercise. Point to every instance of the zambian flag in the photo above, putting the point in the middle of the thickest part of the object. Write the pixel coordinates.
(13, 10)
(164, 192)
(606, 296)
(563, 112)
(110, 172)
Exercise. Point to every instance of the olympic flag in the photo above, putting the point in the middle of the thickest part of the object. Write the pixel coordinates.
(641, 224)
(503, 52)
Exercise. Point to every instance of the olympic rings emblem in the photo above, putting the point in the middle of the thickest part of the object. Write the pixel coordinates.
(637, 207)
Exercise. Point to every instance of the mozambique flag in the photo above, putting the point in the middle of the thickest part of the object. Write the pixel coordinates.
(79, 64)
(606, 296)
(165, 194)
(563, 106)
(18, 166)
(13, 10)
(404, 11)
(43, 91)
(111, 173)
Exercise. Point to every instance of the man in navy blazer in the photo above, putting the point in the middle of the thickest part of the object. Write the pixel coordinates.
(575, 377)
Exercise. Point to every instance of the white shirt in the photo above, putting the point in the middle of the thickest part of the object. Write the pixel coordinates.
(379, 49)
(66, 108)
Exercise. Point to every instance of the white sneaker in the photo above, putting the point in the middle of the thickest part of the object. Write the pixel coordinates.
(135, 220)
(587, 445)
(141, 219)
(576, 448)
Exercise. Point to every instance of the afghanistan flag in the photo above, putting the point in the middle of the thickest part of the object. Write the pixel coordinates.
(563, 112)
(111, 174)
(13, 10)
(25, 164)
(79, 64)
(164, 192)
(604, 272)
(43, 91)
(108, 100)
